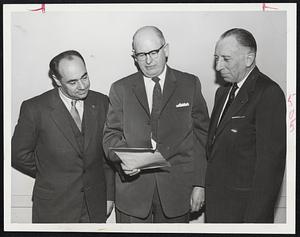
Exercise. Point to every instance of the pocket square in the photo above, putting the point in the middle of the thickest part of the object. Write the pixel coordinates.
(238, 117)
(182, 105)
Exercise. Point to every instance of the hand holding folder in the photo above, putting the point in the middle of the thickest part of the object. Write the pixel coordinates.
(141, 158)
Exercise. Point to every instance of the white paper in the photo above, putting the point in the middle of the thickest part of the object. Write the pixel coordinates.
(141, 158)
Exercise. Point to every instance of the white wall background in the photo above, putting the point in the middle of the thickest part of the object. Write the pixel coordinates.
(104, 39)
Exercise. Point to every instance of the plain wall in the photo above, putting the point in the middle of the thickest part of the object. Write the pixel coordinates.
(104, 40)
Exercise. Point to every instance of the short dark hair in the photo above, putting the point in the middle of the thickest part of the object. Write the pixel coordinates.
(243, 37)
(54, 63)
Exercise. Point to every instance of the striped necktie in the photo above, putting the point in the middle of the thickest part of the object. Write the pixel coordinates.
(75, 114)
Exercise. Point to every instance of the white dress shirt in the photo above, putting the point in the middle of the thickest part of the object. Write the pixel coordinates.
(149, 85)
(67, 102)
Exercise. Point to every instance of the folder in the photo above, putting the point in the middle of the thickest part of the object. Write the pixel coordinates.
(141, 158)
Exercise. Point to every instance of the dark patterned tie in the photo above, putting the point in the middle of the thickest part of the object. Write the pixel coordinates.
(156, 107)
(75, 114)
(230, 100)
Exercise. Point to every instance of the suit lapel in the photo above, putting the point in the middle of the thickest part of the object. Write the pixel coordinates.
(169, 87)
(240, 100)
(140, 92)
(59, 115)
(90, 120)
(218, 109)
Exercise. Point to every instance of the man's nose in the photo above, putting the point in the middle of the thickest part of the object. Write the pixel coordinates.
(148, 59)
(80, 85)
(219, 65)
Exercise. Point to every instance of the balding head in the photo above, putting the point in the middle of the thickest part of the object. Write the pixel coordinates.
(147, 33)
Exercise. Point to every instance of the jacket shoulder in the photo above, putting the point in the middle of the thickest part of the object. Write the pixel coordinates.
(128, 80)
(184, 75)
(97, 98)
(40, 99)
(97, 95)
(266, 83)
(185, 79)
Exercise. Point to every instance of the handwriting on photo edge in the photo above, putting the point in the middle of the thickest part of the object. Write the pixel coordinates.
(42, 8)
(264, 7)
(292, 112)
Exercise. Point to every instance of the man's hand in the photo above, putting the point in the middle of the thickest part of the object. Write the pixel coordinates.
(129, 171)
(197, 199)
(109, 207)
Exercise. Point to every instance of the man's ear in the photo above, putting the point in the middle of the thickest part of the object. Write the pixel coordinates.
(58, 83)
(250, 57)
(166, 50)
(134, 58)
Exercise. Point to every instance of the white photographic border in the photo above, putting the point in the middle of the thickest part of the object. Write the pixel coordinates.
(288, 227)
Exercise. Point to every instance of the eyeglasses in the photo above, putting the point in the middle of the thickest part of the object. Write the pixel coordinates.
(153, 54)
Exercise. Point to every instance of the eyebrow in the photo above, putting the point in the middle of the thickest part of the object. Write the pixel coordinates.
(71, 80)
(223, 56)
(85, 74)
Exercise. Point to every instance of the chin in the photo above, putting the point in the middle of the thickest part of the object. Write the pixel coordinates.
(83, 96)
(229, 80)
(151, 73)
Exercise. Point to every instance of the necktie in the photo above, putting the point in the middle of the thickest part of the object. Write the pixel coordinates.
(75, 114)
(156, 107)
(230, 100)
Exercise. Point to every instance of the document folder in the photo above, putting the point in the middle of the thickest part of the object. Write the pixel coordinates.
(141, 158)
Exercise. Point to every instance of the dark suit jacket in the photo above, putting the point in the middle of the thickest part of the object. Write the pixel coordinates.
(45, 148)
(246, 153)
(182, 136)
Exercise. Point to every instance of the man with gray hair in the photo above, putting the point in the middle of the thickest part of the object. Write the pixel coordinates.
(247, 137)
(163, 106)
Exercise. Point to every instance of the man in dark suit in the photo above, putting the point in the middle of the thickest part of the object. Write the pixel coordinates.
(58, 141)
(247, 137)
(158, 105)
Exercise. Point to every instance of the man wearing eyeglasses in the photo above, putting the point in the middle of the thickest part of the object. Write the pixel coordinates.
(158, 107)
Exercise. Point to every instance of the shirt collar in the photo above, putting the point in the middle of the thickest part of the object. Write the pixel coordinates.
(67, 101)
(240, 83)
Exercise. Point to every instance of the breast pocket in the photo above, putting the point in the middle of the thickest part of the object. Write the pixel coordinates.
(242, 130)
(182, 118)
(183, 112)
(183, 108)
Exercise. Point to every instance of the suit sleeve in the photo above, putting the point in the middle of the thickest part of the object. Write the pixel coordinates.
(200, 127)
(108, 169)
(270, 155)
(24, 141)
(113, 129)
